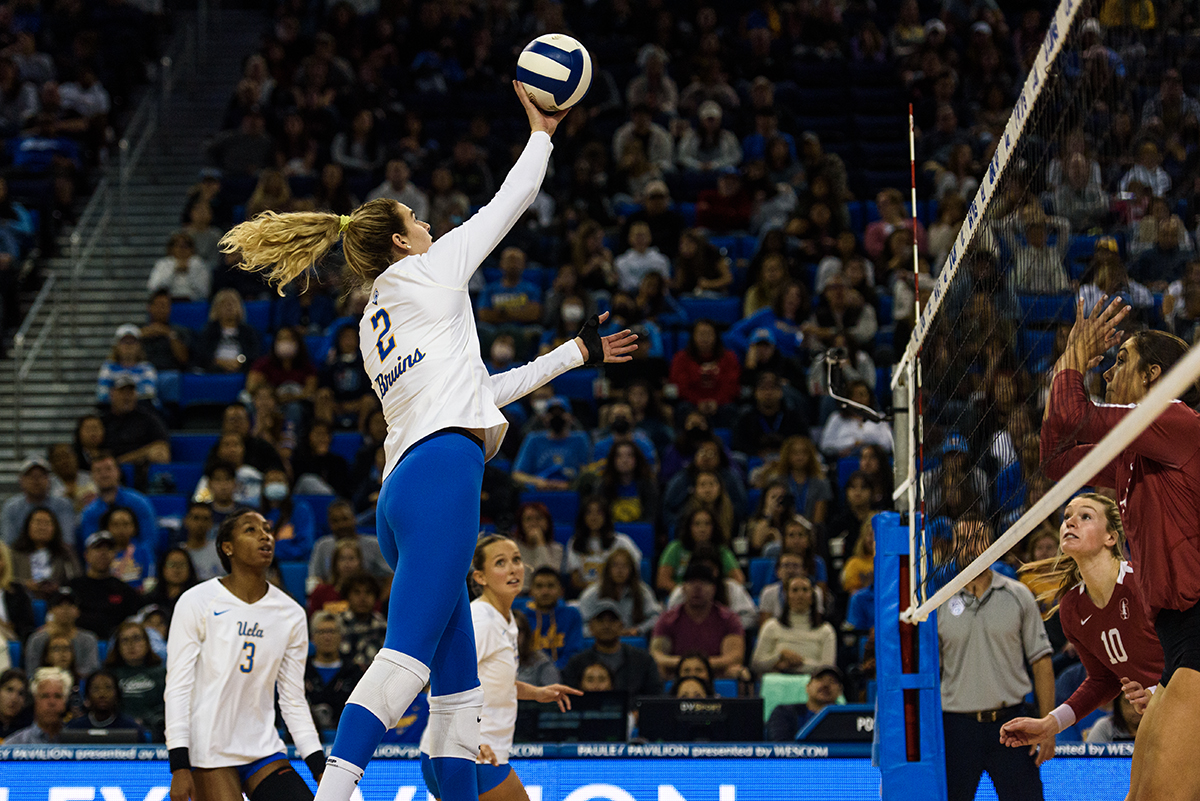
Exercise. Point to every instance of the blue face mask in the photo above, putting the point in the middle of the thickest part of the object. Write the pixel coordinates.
(275, 491)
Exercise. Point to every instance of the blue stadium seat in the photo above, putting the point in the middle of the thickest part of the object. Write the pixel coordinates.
(318, 346)
(1047, 308)
(294, 575)
(846, 467)
(725, 435)
(127, 475)
(192, 315)
(762, 573)
(688, 212)
(169, 505)
(258, 314)
(14, 654)
(887, 306)
(725, 688)
(1036, 345)
(858, 219)
(183, 475)
(192, 447)
(642, 535)
(563, 506)
(39, 612)
(577, 384)
(346, 445)
(647, 571)
(821, 99)
(102, 650)
(320, 509)
(722, 311)
(215, 389)
(563, 532)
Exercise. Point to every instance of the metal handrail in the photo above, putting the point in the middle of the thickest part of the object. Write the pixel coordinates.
(94, 220)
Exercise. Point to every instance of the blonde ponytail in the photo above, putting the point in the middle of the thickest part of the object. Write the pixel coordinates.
(284, 246)
(1060, 572)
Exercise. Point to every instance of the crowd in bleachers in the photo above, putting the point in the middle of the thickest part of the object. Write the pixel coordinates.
(730, 190)
(68, 71)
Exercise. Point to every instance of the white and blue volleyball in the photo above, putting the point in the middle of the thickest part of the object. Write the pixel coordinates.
(557, 71)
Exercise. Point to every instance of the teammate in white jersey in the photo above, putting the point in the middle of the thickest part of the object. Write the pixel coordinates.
(421, 351)
(499, 570)
(234, 641)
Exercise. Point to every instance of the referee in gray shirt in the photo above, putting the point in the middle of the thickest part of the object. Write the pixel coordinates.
(991, 638)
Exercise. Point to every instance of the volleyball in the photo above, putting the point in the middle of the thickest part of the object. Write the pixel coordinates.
(557, 71)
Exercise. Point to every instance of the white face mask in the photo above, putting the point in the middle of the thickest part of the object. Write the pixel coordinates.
(285, 350)
(503, 353)
(275, 491)
(540, 405)
(572, 314)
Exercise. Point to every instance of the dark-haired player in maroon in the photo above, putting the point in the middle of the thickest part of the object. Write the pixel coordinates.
(1096, 593)
(1157, 484)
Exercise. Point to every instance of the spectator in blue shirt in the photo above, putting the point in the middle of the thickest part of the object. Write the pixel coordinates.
(133, 562)
(766, 128)
(107, 477)
(127, 358)
(511, 305)
(557, 628)
(620, 429)
(553, 458)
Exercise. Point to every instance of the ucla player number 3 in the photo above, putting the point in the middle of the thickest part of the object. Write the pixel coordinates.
(378, 316)
(247, 663)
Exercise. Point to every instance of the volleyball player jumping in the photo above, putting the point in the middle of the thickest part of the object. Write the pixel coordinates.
(421, 351)
(1157, 483)
(1099, 603)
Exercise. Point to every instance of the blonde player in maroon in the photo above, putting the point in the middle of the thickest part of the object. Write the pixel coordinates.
(1097, 597)
(1157, 484)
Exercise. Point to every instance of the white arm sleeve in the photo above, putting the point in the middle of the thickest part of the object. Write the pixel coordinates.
(460, 252)
(514, 384)
(290, 684)
(184, 641)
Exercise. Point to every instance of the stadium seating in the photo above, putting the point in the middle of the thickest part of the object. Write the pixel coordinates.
(187, 447)
(563, 506)
(294, 575)
(208, 390)
(762, 573)
(181, 476)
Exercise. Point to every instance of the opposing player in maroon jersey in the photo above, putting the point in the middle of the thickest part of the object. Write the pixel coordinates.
(1096, 593)
(1157, 484)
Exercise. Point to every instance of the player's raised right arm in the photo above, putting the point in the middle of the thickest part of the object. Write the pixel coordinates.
(459, 253)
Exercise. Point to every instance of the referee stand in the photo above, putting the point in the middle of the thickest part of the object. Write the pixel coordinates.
(909, 745)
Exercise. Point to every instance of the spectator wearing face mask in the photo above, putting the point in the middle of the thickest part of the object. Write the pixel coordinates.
(564, 322)
(552, 458)
(620, 427)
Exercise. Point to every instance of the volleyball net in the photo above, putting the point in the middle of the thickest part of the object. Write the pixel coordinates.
(1076, 202)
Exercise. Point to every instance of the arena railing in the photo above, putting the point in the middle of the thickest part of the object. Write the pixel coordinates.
(32, 338)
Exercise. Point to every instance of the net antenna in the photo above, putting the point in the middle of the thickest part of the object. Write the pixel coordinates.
(1183, 375)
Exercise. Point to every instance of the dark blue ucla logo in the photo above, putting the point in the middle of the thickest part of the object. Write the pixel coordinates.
(249, 629)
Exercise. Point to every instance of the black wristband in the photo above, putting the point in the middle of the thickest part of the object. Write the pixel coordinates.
(590, 334)
(179, 759)
(316, 763)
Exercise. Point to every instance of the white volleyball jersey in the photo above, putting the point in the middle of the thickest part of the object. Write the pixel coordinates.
(419, 343)
(225, 659)
(496, 649)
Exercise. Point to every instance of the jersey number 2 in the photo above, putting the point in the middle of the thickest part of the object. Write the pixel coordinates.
(247, 663)
(378, 316)
(1113, 646)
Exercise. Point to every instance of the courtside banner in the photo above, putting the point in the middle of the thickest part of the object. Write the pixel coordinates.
(72, 773)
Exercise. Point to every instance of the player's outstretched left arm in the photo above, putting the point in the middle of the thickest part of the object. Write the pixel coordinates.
(550, 694)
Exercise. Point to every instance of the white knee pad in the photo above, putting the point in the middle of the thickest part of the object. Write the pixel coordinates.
(454, 724)
(389, 685)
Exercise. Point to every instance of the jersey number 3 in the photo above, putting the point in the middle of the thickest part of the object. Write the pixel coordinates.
(1113, 646)
(247, 663)
(376, 318)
